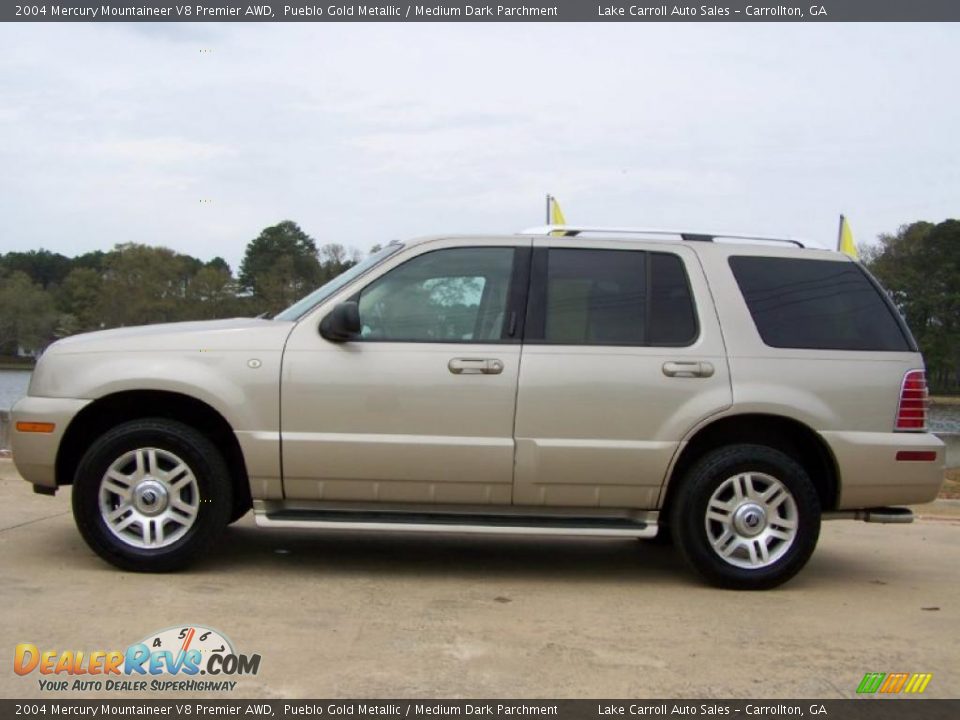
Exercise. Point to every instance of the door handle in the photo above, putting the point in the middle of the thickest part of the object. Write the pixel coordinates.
(687, 368)
(475, 366)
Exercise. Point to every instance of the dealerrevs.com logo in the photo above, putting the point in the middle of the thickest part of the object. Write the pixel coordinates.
(893, 683)
(168, 660)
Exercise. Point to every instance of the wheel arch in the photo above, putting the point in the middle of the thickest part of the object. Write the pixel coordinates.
(792, 437)
(110, 410)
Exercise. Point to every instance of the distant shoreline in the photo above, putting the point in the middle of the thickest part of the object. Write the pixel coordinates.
(16, 364)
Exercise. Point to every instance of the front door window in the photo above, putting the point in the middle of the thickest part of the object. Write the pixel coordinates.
(458, 295)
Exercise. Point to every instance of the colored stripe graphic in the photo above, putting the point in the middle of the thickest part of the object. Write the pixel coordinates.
(870, 683)
(894, 682)
(918, 682)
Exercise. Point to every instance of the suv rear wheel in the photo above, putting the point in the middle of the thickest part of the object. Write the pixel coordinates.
(747, 517)
(151, 495)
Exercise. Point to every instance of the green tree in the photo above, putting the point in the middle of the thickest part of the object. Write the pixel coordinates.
(220, 264)
(94, 260)
(27, 315)
(212, 292)
(143, 285)
(920, 266)
(334, 259)
(41, 266)
(78, 300)
(280, 266)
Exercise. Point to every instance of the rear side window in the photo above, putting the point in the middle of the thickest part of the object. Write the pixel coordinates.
(817, 304)
(671, 320)
(610, 297)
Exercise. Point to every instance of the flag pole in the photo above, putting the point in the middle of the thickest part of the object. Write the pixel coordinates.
(548, 208)
(840, 234)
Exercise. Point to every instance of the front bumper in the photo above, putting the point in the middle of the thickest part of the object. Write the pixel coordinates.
(873, 477)
(35, 453)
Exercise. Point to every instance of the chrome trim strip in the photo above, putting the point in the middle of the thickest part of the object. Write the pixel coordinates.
(648, 530)
(276, 506)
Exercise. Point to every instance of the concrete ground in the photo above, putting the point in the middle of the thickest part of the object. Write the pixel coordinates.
(342, 615)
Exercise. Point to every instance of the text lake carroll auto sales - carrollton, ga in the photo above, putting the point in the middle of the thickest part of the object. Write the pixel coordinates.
(709, 709)
(154, 663)
(710, 11)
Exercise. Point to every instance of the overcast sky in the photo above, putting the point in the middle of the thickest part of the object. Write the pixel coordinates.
(364, 133)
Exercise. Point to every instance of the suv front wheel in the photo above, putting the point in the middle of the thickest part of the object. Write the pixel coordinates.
(151, 495)
(747, 517)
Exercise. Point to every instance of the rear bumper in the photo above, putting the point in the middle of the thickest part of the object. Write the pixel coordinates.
(35, 453)
(871, 476)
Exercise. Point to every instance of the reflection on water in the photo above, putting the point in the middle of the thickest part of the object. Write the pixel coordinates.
(945, 418)
(13, 386)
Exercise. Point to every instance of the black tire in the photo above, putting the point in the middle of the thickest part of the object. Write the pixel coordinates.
(214, 498)
(241, 506)
(716, 473)
(663, 538)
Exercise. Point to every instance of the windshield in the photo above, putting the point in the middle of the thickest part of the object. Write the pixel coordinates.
(304, 305)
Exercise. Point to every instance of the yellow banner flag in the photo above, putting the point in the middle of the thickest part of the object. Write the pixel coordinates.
(845, 240)
(556, 214)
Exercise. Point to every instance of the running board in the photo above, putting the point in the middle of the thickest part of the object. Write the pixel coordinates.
(452, 522)
(890, 515)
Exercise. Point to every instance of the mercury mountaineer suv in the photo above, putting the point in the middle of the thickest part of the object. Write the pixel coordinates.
(725, 392)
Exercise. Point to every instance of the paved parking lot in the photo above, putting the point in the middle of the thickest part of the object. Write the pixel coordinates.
(343, 615)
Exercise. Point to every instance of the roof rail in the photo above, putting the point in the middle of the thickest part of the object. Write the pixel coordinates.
(689, 235)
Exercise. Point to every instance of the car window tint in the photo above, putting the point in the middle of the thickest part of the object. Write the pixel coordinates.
(672, 317)
(595, 297)
(816, 304)
(616, 297)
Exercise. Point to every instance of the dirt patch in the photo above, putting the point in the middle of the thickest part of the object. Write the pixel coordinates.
(951, 484)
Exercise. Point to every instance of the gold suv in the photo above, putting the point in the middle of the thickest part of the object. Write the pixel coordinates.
(731, 391)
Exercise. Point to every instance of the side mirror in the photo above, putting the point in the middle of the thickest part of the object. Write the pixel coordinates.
(342, 324)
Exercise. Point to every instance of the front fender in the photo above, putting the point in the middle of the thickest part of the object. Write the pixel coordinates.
(242, 388)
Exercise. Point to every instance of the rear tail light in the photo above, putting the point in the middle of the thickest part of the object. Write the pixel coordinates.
(916, 455)
(912, 411)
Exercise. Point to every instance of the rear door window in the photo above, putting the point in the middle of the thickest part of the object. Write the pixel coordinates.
(817, 304)
(610, 297)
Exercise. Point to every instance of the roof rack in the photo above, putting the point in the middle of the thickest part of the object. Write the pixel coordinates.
(689, 235)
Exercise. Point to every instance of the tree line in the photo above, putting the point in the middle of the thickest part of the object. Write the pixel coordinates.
(45, 295)
(919, 265)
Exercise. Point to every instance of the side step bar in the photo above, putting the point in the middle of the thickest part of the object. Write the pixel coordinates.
(898, 515)
(452, 522)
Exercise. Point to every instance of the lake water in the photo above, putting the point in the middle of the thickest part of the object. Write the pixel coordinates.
(13, 386)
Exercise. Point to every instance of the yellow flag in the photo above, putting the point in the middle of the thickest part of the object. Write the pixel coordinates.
(845, 241)
(556, 215)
